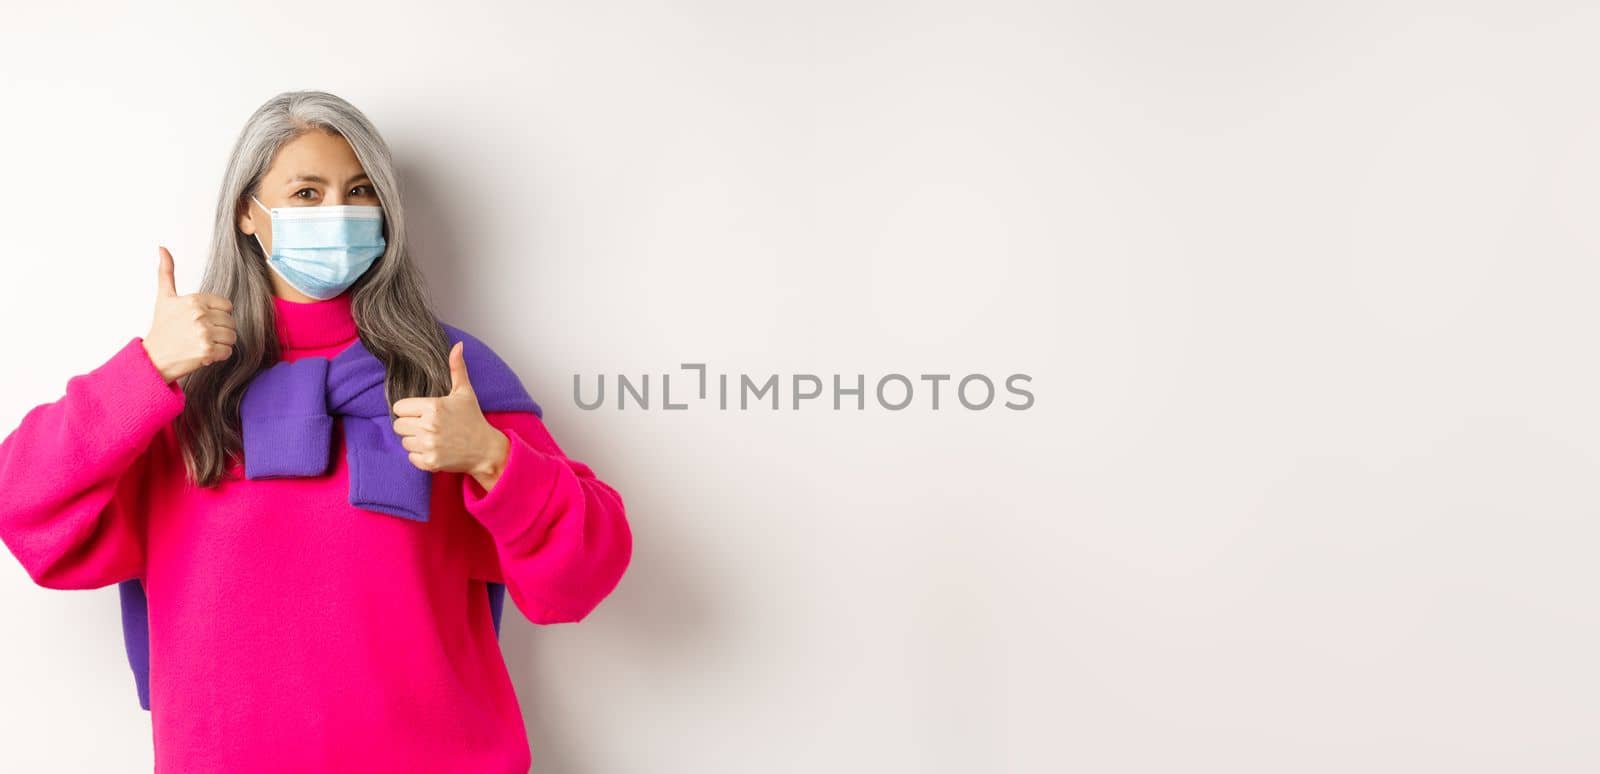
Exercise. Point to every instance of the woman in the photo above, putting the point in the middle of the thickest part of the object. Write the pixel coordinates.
(314, 485)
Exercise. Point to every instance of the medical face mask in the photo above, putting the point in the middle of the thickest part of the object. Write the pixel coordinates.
(323, 250)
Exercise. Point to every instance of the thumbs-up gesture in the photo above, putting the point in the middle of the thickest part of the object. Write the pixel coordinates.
(450, 433)
(187, 332)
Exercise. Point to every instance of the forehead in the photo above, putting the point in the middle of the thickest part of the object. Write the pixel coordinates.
(320, 153)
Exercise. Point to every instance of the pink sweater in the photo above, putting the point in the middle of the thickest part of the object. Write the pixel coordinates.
(289, 630)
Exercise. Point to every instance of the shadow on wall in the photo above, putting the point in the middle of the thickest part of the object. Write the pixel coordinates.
(654, 623)
(429, 227)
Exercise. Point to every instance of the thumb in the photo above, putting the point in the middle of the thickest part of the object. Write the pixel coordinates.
(166, 285)
(458, 369)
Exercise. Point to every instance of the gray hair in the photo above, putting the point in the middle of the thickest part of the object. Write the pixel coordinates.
(390, 302)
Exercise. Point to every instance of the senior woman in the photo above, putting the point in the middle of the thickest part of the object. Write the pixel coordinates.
(311, 492)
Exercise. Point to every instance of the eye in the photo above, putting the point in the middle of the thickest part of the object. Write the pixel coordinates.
(303, 194)
(361, 190)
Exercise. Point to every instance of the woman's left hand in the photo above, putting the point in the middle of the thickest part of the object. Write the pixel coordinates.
(450, 433)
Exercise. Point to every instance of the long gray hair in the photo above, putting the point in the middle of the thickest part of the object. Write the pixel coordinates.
(390, 303)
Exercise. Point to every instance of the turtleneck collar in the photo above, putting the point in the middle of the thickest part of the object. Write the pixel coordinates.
(314, 324)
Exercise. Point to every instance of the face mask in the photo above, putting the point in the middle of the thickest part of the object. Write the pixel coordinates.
(323, 250)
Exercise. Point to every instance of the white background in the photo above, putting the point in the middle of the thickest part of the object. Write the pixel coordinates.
(1307, 294)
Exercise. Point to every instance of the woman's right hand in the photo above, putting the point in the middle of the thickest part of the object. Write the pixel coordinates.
(188, 332)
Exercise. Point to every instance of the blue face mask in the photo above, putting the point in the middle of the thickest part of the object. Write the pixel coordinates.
(323, 250)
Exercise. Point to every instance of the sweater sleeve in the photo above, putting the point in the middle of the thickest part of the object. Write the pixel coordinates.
(554, 534)
(75, 471)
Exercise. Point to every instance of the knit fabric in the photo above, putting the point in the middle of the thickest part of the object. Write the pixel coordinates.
(286, 418)
(290, 630)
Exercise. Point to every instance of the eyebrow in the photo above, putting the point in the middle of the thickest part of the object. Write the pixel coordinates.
(305, 178)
